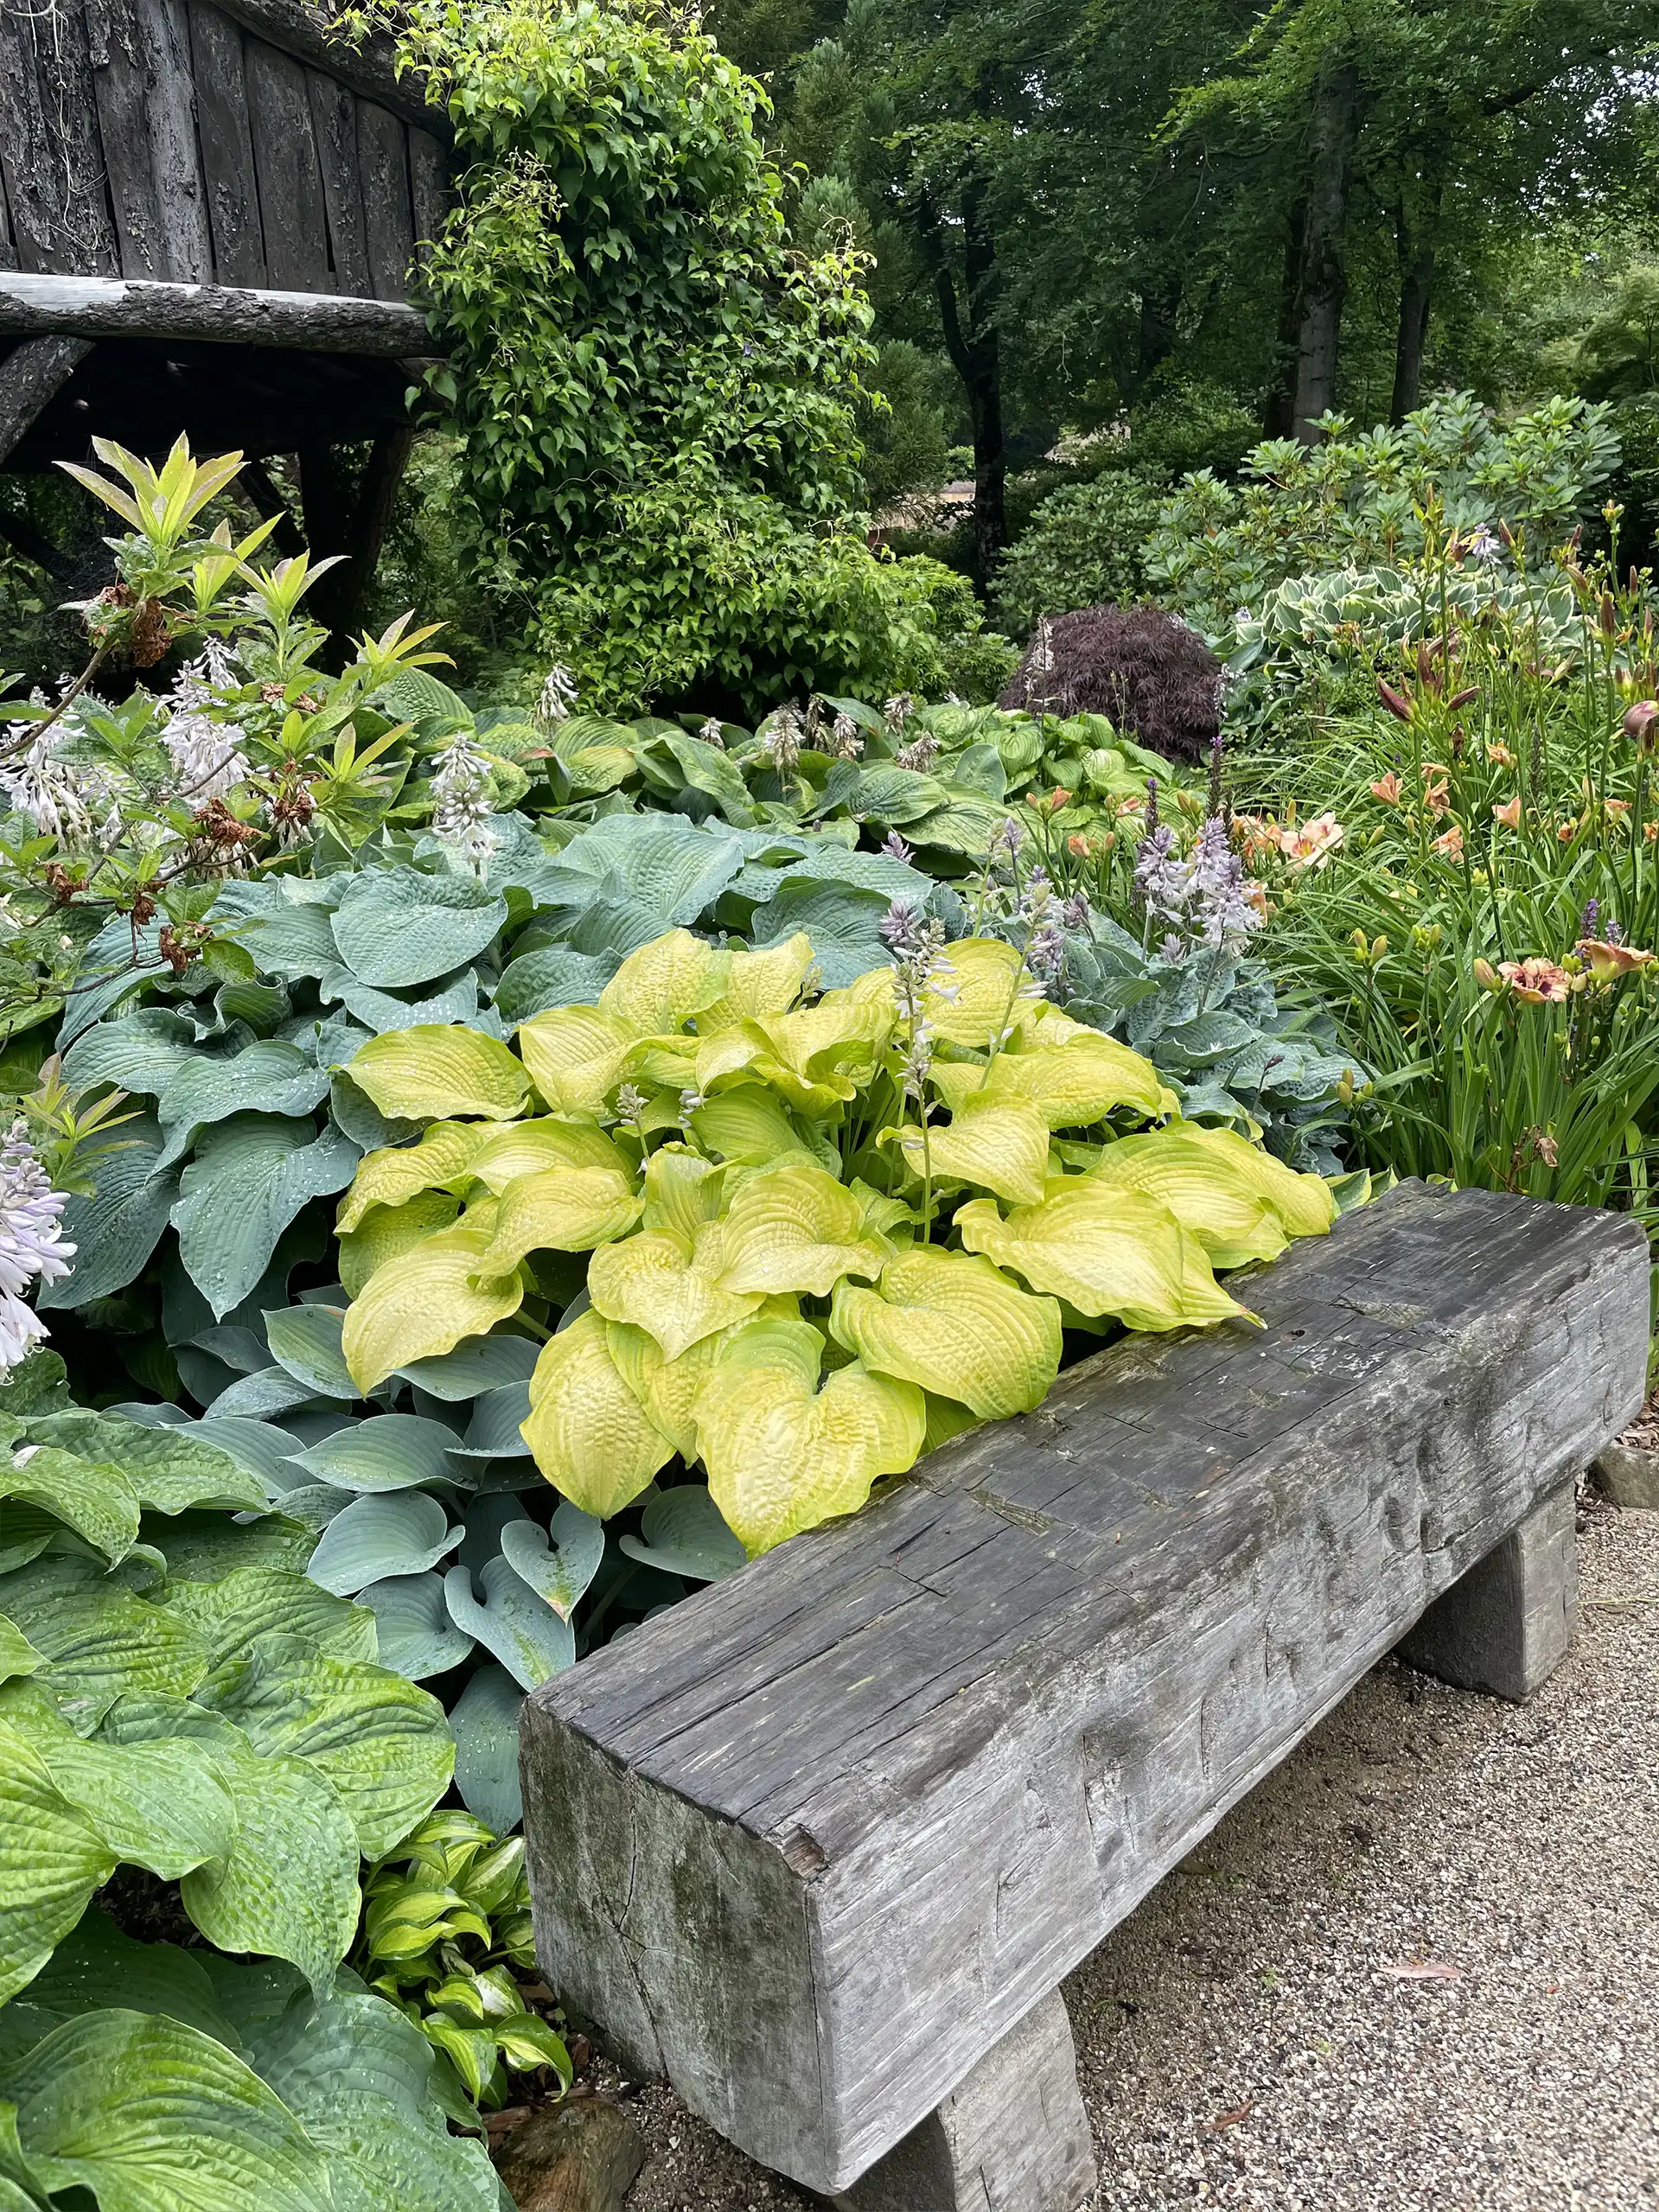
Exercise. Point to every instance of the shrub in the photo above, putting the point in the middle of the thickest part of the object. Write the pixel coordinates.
(1144, 668)
(1081, 549)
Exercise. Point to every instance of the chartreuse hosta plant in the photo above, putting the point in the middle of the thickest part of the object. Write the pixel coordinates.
(446, 1923)
(795, 1240)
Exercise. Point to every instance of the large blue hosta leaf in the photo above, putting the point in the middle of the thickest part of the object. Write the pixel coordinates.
(396, 927)
(250, 1177)
(115, 1230)
(485, 1724)
(269, 1077)
(400, 1533)
(416, 1634)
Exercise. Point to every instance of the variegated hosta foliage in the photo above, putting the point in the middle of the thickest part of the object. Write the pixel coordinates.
(754, 1249)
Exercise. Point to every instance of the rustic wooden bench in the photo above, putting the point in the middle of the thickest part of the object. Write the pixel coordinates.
(820, 1844)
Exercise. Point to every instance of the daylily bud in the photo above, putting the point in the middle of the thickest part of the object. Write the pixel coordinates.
(1397, 706)
(1641, 723)
(1486, 976)
(1461, 698)
(1609, 615)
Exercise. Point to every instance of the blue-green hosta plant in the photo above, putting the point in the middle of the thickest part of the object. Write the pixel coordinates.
(793, 1240)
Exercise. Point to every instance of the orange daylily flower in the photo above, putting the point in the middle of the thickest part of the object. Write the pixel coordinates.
(1387, 788)
(1310, 845)
(1539, 982)
(1438, 800)
(1499, 756)
(1510, 815)
(1450, 846)
(1606, 961)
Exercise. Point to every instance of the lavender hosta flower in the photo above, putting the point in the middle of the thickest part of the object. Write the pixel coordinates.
(1162, 877)
(1483, 543)
(1224, 914)
(461, 805)
(919, 755)
(1589, 919)
(897, 711)
(1008, 836)
(844, 741)
(782, 742)
(900, 927)
(557, 698)
(1076, 913)
(896, 848)
(32, 1246)
(711, 733)
(206, 753)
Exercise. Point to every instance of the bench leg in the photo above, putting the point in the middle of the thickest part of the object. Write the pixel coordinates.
(1013, 2137)
(1505, 1626)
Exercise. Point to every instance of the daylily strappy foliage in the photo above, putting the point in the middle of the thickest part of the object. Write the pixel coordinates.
(826, 1232)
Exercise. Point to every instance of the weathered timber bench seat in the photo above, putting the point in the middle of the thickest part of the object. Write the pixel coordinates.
(820, 1844)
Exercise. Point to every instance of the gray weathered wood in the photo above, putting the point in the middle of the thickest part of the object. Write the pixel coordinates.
(334, 112)
(175, 161)
(123, 81)
(49, 151)
(1505, 1627)
(8, 248)
(368, 66)
(428, 182)
(811, 1843)
(227, 142)
(291, 207)
(383, 159)
(98, 306)
(1013, 2137)
(31, 375)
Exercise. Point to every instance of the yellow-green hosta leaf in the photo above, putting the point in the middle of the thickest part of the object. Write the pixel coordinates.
(671, 1387)
(435, 1296)
(648, 1281)
(574, 1055)
(790, 1229)
(552, 1141)
(957, 1327)
(1104, 1251)
(947, 1418)
(1000, 1143)
(385, 1232)
(748, 1124)
(984, 998)
(1305, 1204)
(783, 1454)
(767, 982)
(560, 1210)
(400, 1171)
(1074, 1085)
(667, 1063)
(1214, 1195)
(682, 1191)
(437, 1069)
(589, 1430)
(818, 1056)
(660, 987)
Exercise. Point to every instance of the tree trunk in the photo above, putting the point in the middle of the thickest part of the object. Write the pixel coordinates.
(1333, 132)
(336, 521)
(1160, 304)
(1416, 239)
(967, 313)
(1277, 412)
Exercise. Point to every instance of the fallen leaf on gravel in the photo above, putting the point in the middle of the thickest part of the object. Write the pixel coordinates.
(1232, 2118)
(1422, 1970)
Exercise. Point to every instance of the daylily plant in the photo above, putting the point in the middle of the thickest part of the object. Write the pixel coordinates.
(823, 1233)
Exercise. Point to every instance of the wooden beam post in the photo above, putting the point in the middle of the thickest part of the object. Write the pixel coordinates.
(33, 305)
(1013, 2137)
(1506, 1626)
(31, 375)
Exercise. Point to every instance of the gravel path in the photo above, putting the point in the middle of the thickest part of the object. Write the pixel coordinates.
(1241, 2040)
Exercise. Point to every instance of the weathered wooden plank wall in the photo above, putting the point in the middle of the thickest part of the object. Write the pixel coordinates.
(180, 140)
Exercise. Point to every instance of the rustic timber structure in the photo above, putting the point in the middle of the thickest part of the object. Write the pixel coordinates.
(820, 1844)
(209, 215)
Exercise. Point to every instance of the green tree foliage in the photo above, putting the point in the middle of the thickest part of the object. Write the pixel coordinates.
(1082, 549)
(656, 391)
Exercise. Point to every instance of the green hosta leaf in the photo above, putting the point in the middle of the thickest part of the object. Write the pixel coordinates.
(556, 976)
(649, 1282)
(256, 1447)
(433, 1072)
(250, 1177)
(379, 1012)
(684, 1535)
(171, 1470)
(99, 1642)
(287, 1888)
(559, 1570)
(494, 1431)
(484, 1363)
(389, 1451)
(560, 1210)
(200, 1547)
(96, 1965)
(530, 1640)
(1001, 1145)
(416, 1634)
(781, 1455)
(1104, 1251)
(142, 1052)
(790, 1229)
(395, 927)
(256, 1601)
(360, 2076)
(748, 1125)
(426, 1306)
(955, 1326)
(588, 1429)
(115, 1230)
(392, 1176)
(525, 2042)
(667, 870)
(95, 1500)
(51, 1860)
(305, 1340)
(271, 1077)
(151, 2116)
(841, 922)
(403, 1532)
(485, 1724)
(381, 1741)
(17, 1656)
(160, 1806)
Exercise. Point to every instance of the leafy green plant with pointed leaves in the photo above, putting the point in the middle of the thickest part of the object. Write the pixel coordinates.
(446, 1923)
